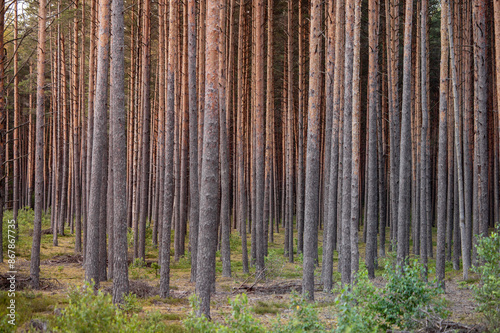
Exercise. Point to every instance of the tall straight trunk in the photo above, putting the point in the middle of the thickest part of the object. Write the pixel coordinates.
(404, 204)
(31, 141)
(345, 259)
(458, 147)
(146, 119)
(160, 167)
(63, 160)
(99, 144)
(259, 132)
(183, 142)
(424, 158)
(481, 114)
(269, 122)
(209, 194)
(327, 130)
(329, 78)
(300, 123)
(223, 146)
(466, 128)
(382, 189)
(17, 114)
(442, 150)
(356, 110)
(90, 121)
(289, 138)
(76, 139)
(194, 209)
(242, 212)
(334, 170)
(373, 98)
(119, 149)
(392, 30)
(169, 154)
(40, 120)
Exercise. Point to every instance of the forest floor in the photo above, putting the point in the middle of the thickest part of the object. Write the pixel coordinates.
(61, 270)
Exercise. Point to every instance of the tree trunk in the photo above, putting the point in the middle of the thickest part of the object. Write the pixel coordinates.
(311, 214)
(40, 120)
(146, 119)
(404, 204)
(424, 143)
(209, 194)
(99, 145)
(371, 216)
(458, 147)
(442, 150)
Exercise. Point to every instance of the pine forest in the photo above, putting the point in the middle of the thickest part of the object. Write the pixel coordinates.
(249, 166)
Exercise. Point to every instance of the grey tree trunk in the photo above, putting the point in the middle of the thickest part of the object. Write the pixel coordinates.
(194, 209)
(481, 114)
(224, 160)
(404, 204)
(98, 146)
(39, 141)
(119, 148)
(356, 110)
(458, 147)
(373, 98)
(169, 155)
(146, 122)
(345, 259)
(311, 208)
(209, 193)
(442, 151)
(424, 143)
(329, 232)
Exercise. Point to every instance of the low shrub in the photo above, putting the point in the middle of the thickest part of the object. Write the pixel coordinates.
(304, 317)
(487, 292)
(95, 313)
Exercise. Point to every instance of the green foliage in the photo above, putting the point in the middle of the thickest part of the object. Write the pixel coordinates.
(357, 312)
(406, 298)
(156, 267)
(195, 323)
(304, 317)
(402, 304)
(88, 312)
(235, 242)
(138, 263)
(274, 263)
(130, 304)
(240, 320)
(487, 292)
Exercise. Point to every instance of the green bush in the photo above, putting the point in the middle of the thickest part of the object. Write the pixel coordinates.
(95, 313)
(304, 317)
(407, 299)
(404, 302)
(357, 307)
(240, 320)
(487, 292)
(274, 264)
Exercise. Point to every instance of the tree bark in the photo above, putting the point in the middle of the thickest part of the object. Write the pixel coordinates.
(40, 120)
(404, 204)
(371, 216)
(99, 145)
(442, 150)
(209, 194)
